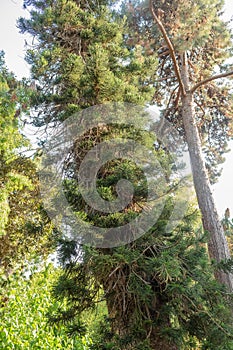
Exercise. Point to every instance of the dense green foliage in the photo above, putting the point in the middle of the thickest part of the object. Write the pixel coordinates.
(23, 311)
(80, 59)
(159, 290)
(25, 228)
(9, 141)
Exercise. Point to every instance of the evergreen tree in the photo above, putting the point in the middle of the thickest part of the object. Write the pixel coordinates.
(25, 229)
(77, 59)
(193, 44)
(159, 290)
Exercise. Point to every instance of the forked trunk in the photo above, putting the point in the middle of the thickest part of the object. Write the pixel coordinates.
(217, 245)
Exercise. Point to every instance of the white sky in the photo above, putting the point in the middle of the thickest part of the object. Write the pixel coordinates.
(13, 44)
(10, 40)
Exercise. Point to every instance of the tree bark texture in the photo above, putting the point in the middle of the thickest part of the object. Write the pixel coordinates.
(217, 245)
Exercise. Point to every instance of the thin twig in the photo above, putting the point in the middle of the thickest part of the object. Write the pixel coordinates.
(200, 106)
(165, 78)
(117, 268)
(177, 99)
(167, 109)
(147, 283)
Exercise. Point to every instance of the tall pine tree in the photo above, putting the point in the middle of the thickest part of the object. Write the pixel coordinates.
(193, 44)
(159, 290)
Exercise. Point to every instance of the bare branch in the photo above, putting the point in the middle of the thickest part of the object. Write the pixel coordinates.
(170, 47)
(165, 78)
(201, 107)
(205, 81)
(177, 99)
(167, 109)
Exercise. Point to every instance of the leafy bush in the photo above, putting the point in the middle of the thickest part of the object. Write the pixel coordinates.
(23, 312)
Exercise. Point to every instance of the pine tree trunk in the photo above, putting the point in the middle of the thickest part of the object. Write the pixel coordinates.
(217, 245)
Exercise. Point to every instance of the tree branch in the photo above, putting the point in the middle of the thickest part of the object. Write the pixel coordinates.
(170, 47)
(205, 81)
(167, 109)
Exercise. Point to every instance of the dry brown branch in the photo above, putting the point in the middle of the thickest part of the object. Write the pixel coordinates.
(167, 109)
(170, 47)
(205, 81)
(117, 268)
(177, 99)
(145, 282)
(201, 107)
